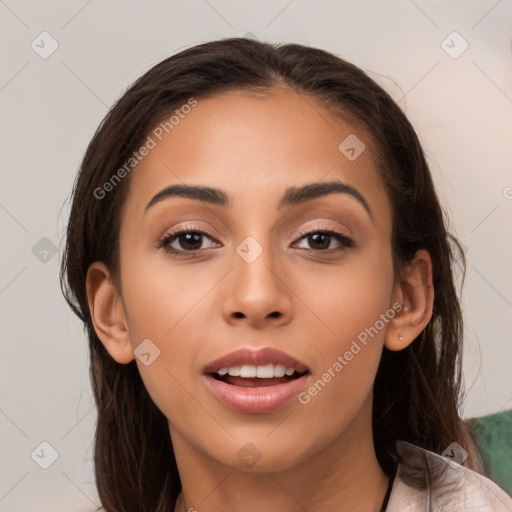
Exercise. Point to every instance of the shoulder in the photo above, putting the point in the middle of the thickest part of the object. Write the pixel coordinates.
(428, 481)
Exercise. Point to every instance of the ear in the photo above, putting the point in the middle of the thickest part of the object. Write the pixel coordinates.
(415, 292)
(107, 313)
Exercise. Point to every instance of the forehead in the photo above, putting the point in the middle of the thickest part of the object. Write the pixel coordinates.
(254, 146)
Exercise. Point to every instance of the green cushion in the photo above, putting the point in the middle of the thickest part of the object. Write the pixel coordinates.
(493, 436)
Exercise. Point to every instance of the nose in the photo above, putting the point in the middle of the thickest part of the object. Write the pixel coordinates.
(257, 292)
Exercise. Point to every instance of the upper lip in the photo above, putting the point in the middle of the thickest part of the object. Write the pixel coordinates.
(259, 357)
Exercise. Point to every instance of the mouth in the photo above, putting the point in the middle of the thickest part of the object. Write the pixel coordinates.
(250, 376)
(256, 382)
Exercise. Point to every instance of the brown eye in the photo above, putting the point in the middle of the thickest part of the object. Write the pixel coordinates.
(186, 241)
(320, 240)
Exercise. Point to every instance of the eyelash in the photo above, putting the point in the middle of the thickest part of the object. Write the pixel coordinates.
(166, 240)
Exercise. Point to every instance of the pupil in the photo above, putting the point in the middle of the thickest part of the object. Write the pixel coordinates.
(316, 240)
(190, 238)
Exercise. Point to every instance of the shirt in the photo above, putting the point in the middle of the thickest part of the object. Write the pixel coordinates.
(428, 482)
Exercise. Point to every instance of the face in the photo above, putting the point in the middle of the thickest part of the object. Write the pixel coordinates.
(302, 284)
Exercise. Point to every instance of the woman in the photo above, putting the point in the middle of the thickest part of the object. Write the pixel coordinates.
(259, 257)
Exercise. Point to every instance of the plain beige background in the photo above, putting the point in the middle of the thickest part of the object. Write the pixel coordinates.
(455, 88)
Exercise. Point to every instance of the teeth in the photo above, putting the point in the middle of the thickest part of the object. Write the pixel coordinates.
(265, 372)
(248, 371)
(279, 370)
(235, 371)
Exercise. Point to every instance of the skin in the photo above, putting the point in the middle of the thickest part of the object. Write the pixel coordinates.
(317, 456)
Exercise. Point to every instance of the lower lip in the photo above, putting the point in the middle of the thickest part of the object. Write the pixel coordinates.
(257, 400)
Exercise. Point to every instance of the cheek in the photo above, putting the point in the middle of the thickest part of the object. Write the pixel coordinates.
(159, 295)
(349, 298)
(352, 303)
(168, 305)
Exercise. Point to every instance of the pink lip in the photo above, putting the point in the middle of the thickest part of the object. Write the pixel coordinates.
(256, 358)
(258, 400)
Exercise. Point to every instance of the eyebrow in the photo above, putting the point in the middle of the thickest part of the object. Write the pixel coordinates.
(292, 195)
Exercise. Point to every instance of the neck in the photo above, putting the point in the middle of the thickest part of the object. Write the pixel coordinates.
(343, 476)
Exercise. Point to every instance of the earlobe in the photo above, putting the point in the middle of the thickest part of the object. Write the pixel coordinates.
(415, 291)
(107, 313)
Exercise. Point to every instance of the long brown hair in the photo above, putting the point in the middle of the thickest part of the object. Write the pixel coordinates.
(417, 390)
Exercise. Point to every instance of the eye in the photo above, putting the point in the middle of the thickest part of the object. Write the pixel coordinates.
(189, 239)
(320, 239)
